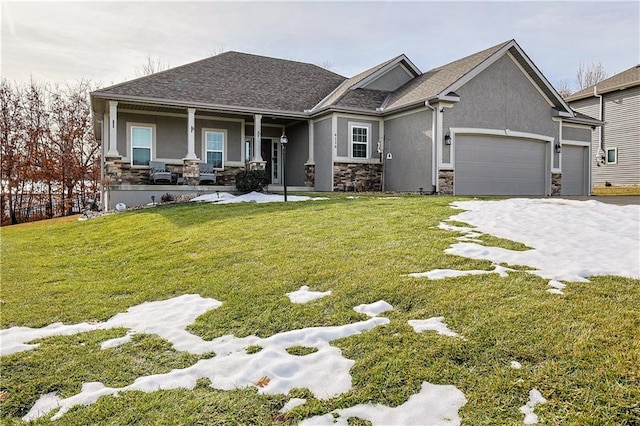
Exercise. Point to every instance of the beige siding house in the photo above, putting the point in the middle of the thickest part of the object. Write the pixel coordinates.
(615, 155)
(487, 124)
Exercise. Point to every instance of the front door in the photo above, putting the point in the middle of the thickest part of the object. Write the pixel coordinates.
(271, 154)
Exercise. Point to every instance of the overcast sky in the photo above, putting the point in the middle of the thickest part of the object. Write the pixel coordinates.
(107, 42)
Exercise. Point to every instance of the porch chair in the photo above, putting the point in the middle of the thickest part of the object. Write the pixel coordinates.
(207, 174)
(158, 171)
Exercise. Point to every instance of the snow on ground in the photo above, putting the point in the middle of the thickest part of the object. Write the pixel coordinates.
(438, 274)
(535, 398)
(255, 197)
(232, 367)
(432, 324)
(373, 309)
(570, 240)
(304, 295)
(433, 405)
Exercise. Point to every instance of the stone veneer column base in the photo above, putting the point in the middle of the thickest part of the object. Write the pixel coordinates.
(191, 172)
(310, 175)
(445, 182)
(556, 183)
(113, 169)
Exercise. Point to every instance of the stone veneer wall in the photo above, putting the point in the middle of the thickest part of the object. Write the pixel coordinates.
(556, 183)
(445, 182)
(227, 177)
(357, 177)
(310, 175)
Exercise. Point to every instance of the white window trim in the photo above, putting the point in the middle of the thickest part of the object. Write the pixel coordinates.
(367, 126)
(130, 126)
(607, 155)
(206, 130)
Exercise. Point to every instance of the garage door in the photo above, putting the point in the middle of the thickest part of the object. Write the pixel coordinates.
(494, 165)
(575, 167)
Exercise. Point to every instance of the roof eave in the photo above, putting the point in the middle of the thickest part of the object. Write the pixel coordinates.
(200, 105)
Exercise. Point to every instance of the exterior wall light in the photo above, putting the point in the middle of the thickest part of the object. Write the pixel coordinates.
(447, 139)
(558, 147)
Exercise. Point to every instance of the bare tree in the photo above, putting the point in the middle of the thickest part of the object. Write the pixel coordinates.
(564, 88)
(326, 64)
(152, 66)
(587, 76)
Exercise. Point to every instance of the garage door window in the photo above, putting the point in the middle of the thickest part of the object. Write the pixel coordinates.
(612, 155)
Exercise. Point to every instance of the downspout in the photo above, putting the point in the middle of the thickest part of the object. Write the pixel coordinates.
(434, 148)
(600, 155)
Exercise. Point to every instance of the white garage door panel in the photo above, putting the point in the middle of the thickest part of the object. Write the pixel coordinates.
(574, 170)
(492, 165)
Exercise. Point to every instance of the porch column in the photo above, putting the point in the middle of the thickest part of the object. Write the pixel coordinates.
(257, 163)
(191, 135)
(113, 129)
(310, 160)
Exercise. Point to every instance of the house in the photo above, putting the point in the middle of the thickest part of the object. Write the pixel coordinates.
(487, 124)
(616, 145)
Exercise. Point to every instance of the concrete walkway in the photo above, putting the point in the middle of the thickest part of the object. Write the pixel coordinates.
(620, 200)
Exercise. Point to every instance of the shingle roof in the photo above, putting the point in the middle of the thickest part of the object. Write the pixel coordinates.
(628, 78)
(433, 82)
(235, 79)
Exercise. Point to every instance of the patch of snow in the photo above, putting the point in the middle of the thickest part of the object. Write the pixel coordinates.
(535, 398)
(292, 403)
(303, 295)
(516, 365)
(433, 405)
(438, 274)
(118, 341)
(15, 339)
(214, 197)
(571, 240)
(232, 367)
(45, 404)
(432, 324)
(556, 287)
(373, 309)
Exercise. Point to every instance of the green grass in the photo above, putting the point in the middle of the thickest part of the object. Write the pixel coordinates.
(581, 350)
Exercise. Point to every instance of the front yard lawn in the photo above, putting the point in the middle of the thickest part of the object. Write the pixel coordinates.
(580, 350)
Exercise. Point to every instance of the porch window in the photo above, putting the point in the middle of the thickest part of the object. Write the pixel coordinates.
(214, 147)
(360, 140)
(141, 142)
(612, 155)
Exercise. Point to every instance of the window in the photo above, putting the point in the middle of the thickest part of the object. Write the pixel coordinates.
(214, 148)
(141, 142)
(612, 155)
(360, 140)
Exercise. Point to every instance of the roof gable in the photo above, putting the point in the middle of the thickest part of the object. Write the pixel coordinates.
(625, 79)
(439, 82)
(233, 79)
(385, 77)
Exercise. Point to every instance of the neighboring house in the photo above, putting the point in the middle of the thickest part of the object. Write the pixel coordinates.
(616, 145)
(487, 124)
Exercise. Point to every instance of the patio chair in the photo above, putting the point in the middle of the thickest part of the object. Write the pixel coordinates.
(158, 171)
(207, 174)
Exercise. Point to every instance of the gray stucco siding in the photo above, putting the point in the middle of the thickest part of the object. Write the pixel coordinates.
(391, 80)
(576, 134)
(297, 153)
(322, 153)
(344, 137)
(501, 97)
(408, 139)
(171, 137)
